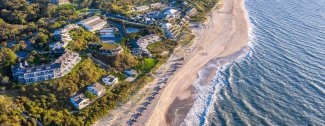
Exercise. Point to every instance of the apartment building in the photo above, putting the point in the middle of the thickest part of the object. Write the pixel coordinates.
(29, 74)
(171, 31)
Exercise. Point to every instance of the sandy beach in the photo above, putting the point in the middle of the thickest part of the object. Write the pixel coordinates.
(226, 32)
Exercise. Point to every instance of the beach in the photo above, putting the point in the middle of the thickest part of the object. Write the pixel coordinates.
(225, 33)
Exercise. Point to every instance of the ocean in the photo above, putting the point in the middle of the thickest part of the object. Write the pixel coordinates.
(279, 79)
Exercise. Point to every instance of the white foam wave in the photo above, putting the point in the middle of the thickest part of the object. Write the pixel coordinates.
(205, 94)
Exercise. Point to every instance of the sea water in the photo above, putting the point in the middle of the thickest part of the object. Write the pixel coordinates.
(279, 80)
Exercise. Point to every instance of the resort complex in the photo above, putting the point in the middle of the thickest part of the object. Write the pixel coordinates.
(73, 62)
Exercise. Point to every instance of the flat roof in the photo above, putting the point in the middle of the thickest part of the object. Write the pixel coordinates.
(109, 46)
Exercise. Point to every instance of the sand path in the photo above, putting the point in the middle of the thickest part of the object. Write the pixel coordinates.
(224, 34)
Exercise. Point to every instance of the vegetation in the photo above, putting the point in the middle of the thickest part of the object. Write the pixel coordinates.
(80, 39)
(159, 48)
(119, 62)
(90, 95)
(7, 56)
(48, 101)
(10, 114)
(37, 58)
(19, 18)
(149, 63)
(203, 7)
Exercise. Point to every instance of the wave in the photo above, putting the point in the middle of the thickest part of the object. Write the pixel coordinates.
(206, 92)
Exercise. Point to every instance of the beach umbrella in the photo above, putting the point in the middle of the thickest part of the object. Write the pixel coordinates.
(145, 104)
(135, 117)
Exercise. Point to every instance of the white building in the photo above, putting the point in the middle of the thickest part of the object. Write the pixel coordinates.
(141, 8)
(97, 89)
(173, 13)
(110, 79)
(93, 23)
(63, 35)
(107, 32)
(191, 12)
(89, 20)
(157, 5)
(60, 2)
(57, 45)
(79, 101)
(62, 66)
(171, 31)
(68, 60)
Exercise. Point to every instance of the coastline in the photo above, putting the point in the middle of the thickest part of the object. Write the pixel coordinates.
(226, 33)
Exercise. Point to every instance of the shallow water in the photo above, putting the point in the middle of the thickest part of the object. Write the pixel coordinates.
(281, 80)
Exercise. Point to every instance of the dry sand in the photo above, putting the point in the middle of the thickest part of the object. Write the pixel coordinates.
(225, 33)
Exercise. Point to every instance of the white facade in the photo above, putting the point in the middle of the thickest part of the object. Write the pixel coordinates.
(107, 32)
(63, 65)
(156, 5)
(79, 101)
(142, 8)
(58, 45)
(96, 89)
(171, 31)
(109, 80)
(173, 13)
(191, 12)
(60, 2)
(68, 60)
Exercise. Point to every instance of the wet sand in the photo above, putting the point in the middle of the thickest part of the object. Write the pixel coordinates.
(225, 33)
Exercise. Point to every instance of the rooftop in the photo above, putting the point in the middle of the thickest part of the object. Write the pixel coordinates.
(110, 78)
(143, 7)
(89, 19)
(92, 24)
(96, 86)
(78, 98)
(109, 46)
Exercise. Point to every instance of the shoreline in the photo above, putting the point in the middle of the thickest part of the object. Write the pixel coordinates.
(226, 32)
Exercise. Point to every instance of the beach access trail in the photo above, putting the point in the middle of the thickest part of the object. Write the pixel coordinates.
(225, 32)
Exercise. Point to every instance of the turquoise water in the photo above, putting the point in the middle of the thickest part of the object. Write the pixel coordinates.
(281, 79)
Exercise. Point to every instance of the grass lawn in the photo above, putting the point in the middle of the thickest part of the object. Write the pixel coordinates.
(68, 6)
(149, 63)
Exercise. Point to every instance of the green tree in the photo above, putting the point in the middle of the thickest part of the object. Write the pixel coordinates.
(8, 57)
(90, 95)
